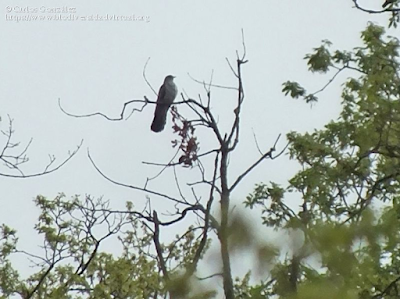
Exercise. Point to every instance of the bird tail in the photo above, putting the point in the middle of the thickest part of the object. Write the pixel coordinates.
(160, 118)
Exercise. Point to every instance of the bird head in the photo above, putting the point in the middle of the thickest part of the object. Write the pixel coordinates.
(169, 78)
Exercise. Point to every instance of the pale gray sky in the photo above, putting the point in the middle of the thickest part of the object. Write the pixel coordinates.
(96, 65)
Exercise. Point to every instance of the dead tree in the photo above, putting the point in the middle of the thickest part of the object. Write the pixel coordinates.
(215, 179)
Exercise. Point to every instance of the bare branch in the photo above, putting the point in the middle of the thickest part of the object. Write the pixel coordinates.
(255, 140)
(121, 116)
(165, 166)
(211, 85)
(387, 289)
(41, 280)
(47, 169)
(248, 170)
(134, 187)
(370, 11)
(145, 78)
(240, 97)
(210, 276)
(156, 239)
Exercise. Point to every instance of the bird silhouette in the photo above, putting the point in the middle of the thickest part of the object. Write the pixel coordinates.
(166, 96)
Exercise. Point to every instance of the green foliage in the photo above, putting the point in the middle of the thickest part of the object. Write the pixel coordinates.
(8, 275)
(245, 290)
(375, 61)
(73, 265)
(394, 18)
(294, 89)
(349, 183)
(320, 60)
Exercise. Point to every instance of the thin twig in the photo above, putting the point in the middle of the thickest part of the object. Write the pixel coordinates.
(133, 187)
(121, 116)
(145, 79)
(46, 170)
(212, 85)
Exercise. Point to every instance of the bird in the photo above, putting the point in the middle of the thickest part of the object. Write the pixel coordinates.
(387, 2)
(166, 96)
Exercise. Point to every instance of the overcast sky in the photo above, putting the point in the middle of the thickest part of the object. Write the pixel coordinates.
(93, 59)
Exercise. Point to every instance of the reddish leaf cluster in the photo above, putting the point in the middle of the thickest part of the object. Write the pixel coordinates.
(187, 141)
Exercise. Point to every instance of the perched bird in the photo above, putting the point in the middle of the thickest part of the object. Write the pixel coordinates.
(166, 96)
(387, 2)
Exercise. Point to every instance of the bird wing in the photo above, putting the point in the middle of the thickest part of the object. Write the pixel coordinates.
(161, 94)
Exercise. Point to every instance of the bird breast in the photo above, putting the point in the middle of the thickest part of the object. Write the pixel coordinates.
(171, 89)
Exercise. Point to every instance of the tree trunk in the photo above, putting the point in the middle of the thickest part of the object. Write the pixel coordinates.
(223, 233)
